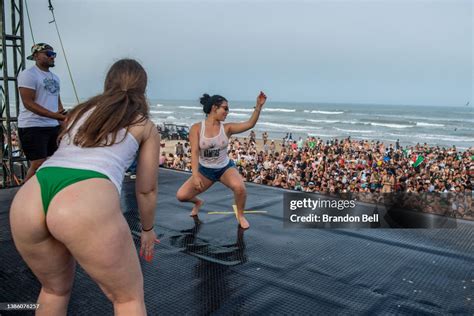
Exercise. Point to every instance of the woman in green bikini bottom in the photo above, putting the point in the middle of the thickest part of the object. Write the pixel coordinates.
(70, 211)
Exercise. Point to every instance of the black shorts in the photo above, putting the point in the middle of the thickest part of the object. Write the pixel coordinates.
(38, 142)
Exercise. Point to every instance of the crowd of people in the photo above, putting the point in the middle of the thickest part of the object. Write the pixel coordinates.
(341, 166)
(345, 165)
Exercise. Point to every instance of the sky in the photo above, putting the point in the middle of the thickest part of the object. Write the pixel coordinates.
(411, 52)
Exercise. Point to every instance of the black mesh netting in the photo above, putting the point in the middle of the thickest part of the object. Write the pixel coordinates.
(207, 265)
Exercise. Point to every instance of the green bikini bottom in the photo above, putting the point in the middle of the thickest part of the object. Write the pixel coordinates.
(54, 179)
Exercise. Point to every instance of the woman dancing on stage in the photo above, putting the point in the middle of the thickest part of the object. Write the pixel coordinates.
(70, 210)
(209, 158)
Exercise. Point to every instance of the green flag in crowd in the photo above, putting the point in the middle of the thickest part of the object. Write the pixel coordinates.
(418, 161)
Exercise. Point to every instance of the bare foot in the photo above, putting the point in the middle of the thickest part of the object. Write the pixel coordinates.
(243, 223)
(197, 205)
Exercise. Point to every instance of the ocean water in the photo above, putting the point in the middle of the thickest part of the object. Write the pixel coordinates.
(436, 126)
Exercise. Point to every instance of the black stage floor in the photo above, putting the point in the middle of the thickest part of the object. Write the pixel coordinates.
(212, 267)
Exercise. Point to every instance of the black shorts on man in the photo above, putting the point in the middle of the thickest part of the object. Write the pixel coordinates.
(39, 142)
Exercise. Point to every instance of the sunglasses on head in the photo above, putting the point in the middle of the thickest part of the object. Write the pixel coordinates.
(50, 53)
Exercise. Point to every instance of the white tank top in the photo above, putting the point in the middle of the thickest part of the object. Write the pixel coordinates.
(112, 161)
(213, 151)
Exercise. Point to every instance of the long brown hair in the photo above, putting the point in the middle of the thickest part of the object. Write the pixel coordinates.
(123, 103)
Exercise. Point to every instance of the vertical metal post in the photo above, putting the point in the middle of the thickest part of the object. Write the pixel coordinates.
(13, 51)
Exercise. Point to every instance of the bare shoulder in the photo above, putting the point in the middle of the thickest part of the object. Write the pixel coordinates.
(195, 127)
(150, 129)
(143, 130)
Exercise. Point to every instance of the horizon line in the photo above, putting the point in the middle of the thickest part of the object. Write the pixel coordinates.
(304, 102)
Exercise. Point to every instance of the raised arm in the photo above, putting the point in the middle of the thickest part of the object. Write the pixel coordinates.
(235, 128)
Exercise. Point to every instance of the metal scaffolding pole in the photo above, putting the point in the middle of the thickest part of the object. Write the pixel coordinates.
(12, 62)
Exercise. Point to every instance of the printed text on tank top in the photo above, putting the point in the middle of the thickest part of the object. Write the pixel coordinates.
(213, 150)
(210, 143)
